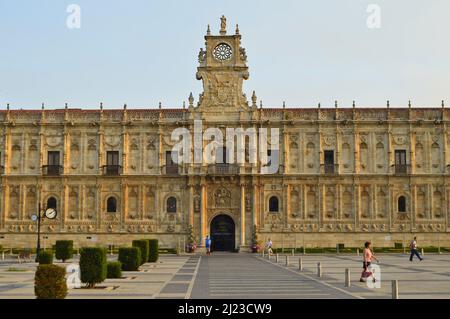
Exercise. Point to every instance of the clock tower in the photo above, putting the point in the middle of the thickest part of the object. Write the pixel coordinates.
(222, 69)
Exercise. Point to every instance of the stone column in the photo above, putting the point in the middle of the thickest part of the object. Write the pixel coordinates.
(203, 219)
(191, 205)
(255, 205)
(242, 237)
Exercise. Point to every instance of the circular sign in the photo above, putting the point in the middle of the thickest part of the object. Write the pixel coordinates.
(222, 52)
(34, 218)
(50, 213)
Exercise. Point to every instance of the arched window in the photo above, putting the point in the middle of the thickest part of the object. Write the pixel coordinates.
(273, 204)
(111, 205)
(51, 202)
(171, 205)
(401, 205)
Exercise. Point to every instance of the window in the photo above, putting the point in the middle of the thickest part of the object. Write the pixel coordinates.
(273, 204)
(171, 162)
(53, 158)
(329, 162)
(112, 158)
(171, 205)
(401, 205)
(400, 157)
(51, 202)
(111, 205)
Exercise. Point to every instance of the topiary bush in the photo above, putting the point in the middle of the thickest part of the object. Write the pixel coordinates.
(143, 245)
(130, 257)
(114, 269)
(64, 250)
(45, 257)
(50, 282)
(153, 252)
(93, 267)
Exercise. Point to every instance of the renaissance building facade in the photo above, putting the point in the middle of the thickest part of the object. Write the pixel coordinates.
(345, 175)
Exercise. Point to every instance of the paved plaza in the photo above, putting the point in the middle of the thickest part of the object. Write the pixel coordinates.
(243, 276)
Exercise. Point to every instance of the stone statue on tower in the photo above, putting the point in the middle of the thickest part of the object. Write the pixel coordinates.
(223, 25)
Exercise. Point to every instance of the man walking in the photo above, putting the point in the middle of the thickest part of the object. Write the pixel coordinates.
(414, 251)
(208, 245)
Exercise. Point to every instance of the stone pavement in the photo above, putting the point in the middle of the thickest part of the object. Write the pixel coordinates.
(425, 279)
(243, 276)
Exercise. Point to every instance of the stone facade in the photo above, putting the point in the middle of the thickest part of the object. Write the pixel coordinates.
(346, 175)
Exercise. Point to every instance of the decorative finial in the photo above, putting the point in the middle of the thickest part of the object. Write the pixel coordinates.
(223, 25)
(43, 106)
(284, 104)
(237, 29)
(354, 104)
(160, 105)
(184, 105)
(125, 106)
(335, 104)
(101, 105)
(191, 100)
(254, 99)
(208, 31)
(318, 105)
(388, 104)
(66, 106)
(260, 104)
(7, 106)
(442, 103)
(409, 103)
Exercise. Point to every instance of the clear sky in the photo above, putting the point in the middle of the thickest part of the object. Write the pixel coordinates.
(302, 52)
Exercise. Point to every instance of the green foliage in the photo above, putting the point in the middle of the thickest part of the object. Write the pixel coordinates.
(154, 252)
(50, 282)
(143, 245)
(93, 265)
(45, 257)
(130, 257)
(255, 240)
(114, 269)
(398, 245)
(191, 236)
(64, 250)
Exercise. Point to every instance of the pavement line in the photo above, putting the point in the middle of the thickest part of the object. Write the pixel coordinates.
(312, 278)
(194, 276)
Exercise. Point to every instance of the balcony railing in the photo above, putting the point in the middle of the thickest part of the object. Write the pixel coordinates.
(329, 169)
(401, 169)
(52, 170)
(223, 169)
(171, 170)
(111, 170)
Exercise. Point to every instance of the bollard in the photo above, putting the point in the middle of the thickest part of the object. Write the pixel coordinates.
(276, 258)
(357, 251)
(347, 277)
(422, 252)
(3, 255)
(111, 250)
(394, 289)
(268, 256)
(262, 253)
(304, 250)
(319, 270)
(293, 252)
(300, 264)
(287, 261)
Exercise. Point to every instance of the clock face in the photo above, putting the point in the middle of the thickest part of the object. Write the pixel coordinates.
(222, 52)
(50, 213)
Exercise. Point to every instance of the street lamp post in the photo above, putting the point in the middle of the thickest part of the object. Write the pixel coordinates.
(49, 213)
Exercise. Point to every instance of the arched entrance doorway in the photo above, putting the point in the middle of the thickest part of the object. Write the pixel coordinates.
(222, 233)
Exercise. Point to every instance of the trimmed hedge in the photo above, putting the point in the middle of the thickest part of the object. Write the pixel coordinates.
(114, 269)
(153, 253)
(45, 257)
(143, 245)
(130, 257)
(93, 265)
(50, 282)
(64, 250)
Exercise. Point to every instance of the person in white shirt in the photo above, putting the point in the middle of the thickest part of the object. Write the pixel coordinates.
(269, 247)
(414, 251)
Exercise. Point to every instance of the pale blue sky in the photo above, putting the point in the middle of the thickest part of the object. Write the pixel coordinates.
(142, 52)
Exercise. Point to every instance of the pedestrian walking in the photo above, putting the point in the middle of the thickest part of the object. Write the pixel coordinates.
(368, 256)
(414, 251)
(208, 245)
(269, 245)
